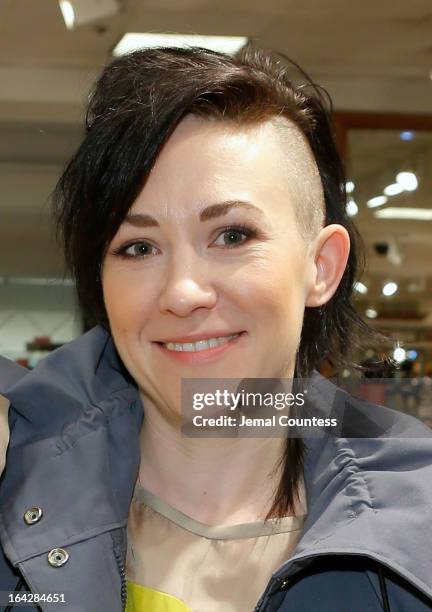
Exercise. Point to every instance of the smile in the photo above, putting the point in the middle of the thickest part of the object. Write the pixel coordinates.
(201, 350)
(200, 345)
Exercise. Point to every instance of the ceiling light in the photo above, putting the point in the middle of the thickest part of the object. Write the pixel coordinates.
(393, 189)
(414, 214)
(389, 288)
(406, 135)
(349, 187)
(360, 287)
(393, 253)
(80, 12)
(68, 13)
(407, 180)
(399, 354)
(377, 201)
(371, 313)
(224, 44)
(351, 208)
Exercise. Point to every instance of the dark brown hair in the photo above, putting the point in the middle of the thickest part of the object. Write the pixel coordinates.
(135, 105)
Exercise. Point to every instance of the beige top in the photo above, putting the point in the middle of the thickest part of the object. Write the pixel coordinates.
(186, 565)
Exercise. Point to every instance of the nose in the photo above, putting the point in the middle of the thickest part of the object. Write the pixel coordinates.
(187, 287)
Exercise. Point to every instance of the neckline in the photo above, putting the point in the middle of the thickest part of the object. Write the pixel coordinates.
(217, 532)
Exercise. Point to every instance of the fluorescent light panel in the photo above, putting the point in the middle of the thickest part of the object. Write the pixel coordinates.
(68, 13)
(134, 41)
(34, 281)
(415, 214)
(80, 12)
(393, 189)
(377, 201)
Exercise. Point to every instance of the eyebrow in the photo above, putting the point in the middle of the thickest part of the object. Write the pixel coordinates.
(210, 212)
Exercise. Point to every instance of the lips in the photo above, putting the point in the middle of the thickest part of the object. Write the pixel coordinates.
(200, 348)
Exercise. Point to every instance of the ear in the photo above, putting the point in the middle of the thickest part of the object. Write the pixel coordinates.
(330, 260)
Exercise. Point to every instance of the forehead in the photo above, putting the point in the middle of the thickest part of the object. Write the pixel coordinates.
(205, 161)
(214, 142)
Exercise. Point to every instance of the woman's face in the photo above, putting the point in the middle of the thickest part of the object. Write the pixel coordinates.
(209, 274)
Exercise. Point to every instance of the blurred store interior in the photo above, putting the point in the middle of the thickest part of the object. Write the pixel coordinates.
(375, 60)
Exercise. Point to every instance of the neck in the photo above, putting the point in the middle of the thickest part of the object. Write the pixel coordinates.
(213, 480)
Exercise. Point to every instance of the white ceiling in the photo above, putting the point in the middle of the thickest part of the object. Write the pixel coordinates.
(371, 55)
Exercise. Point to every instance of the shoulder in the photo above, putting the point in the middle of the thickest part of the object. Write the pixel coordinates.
(380, 449)
(369, 487)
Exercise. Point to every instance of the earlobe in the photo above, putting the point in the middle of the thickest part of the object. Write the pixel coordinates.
(331, 256)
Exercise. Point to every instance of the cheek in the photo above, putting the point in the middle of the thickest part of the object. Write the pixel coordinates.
(275, 287)
(127, 303)
(277, 301)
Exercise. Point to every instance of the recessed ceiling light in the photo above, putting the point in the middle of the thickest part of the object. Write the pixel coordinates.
(406, 135)
(351, 208)
(413, 214)
(371, 313)
(407, 180)
(399, 354)
(377, 201)
(393, 189)
(360, 287)
(134, 41)
(389, 288)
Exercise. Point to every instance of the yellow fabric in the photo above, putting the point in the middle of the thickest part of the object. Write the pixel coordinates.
(143, 599)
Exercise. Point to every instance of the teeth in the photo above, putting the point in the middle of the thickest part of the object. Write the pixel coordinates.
(200, 345)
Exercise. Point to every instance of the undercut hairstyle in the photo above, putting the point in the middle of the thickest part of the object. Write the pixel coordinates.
(135, 105)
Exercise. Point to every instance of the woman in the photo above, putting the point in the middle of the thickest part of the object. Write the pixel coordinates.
(204, 220)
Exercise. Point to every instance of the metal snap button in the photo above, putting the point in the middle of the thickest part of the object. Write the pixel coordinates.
(58, 557)
(33, 515)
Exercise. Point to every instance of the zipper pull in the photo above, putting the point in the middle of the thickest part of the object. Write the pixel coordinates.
(273, 586)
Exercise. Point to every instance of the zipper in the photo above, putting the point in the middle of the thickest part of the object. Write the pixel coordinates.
(122, 571)
(275, 584)
(383, 589)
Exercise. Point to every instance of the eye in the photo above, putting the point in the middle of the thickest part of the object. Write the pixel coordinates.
(136, 250)
(234, 235)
